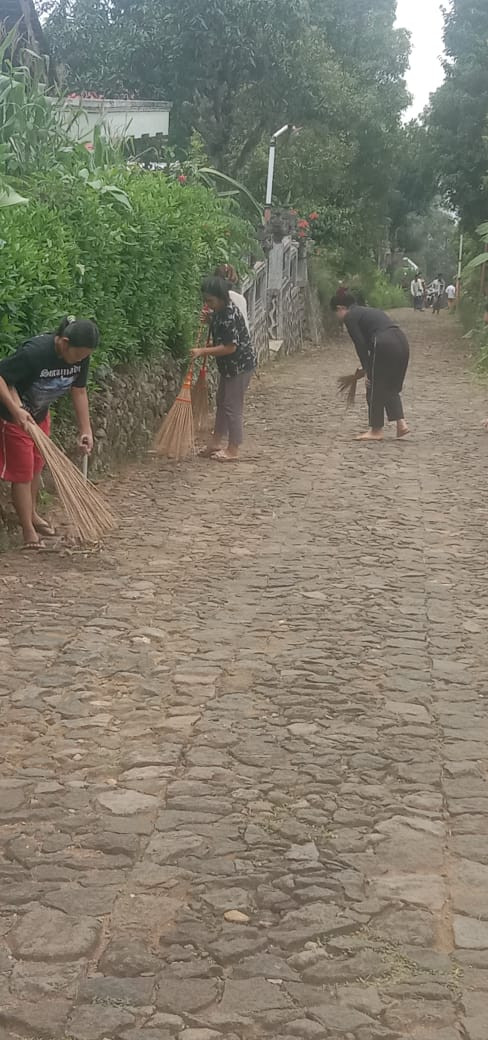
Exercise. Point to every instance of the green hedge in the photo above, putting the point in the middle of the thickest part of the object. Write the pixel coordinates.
(473, 306)
(76, 248)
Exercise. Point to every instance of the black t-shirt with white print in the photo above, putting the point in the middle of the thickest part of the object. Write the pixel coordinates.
(40, 376)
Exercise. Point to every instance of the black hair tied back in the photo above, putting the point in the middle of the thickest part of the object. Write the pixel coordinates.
(80, 332)
(346, 300)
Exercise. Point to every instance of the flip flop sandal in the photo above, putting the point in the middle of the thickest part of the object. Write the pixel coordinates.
(219, 456)
(34, 547)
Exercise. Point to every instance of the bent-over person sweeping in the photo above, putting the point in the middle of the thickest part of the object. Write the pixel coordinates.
(236, 361)
(44, 369)
(383, 350)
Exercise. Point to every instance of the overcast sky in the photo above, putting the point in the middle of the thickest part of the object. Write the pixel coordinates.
(423, 19)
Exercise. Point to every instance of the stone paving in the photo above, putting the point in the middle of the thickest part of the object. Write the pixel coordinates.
(243, 750)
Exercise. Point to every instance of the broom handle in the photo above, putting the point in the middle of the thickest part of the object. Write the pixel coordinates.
(198, 340)
(84, 462)
(204, 361)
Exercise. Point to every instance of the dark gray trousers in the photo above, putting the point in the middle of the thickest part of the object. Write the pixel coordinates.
(230, 407)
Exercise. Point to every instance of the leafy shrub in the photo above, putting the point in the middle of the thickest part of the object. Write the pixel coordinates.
(134, 267)
(473, 305)
(124, 246)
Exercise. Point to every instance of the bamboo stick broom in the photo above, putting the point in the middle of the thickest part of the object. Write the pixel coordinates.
(175, 437)
(347, 385)
(82, 503)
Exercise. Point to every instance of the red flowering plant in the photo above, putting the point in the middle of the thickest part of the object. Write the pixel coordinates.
(304, 227)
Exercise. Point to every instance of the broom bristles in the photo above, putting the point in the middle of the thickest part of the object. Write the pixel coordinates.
(175, 437)
(199, 402)
(82, 503)
(346, 386)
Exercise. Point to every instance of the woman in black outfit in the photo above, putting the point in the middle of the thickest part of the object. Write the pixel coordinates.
(383, 351)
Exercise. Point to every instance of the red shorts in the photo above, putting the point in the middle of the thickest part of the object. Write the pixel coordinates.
(19, 458)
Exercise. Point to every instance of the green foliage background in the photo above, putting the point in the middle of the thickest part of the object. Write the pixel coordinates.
(237, 70)
(136, 271)
(81, 232)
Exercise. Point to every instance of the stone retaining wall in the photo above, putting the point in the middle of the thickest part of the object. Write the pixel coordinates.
(126, 407)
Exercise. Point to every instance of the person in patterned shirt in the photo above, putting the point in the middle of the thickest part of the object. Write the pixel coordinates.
(236, 362)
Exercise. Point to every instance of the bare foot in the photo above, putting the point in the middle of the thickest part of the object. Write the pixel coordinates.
(371, 435)
(43, 527)
(214, 444)
(402, 430)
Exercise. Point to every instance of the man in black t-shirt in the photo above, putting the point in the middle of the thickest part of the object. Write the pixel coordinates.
(43, 369)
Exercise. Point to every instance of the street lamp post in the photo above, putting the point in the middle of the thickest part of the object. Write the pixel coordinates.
(459, 267)
(271, 165)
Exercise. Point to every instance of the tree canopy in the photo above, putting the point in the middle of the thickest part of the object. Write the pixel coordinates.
(233, 69)
(458, 116)
(237, 70)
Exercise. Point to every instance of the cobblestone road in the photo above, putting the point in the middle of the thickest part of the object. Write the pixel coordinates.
(243, 751)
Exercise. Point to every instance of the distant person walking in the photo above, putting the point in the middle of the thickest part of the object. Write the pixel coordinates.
(451, 296)
(437, 289)
(383, 351)
(417, 292)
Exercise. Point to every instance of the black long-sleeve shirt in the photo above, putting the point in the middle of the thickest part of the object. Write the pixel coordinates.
(363, 325)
